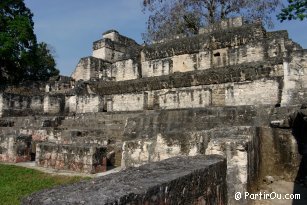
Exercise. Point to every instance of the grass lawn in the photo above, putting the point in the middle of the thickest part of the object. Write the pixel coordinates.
(17, 182)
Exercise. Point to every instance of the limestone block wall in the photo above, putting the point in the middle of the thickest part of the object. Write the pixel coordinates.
(189, 97)
(157, 67)
(242, 164)
(162, 146)
(224, 24)
(37, 103)
(15, 148)
(276, 45)
(16, 104)
(84, 103)
(259, 92)
(243, 159)
(239, 54)
(128, 102)
(177, 63)
(203, 131)
(91, 67)
(54, 104)
(40, 134)
(125, 70)
(107, 52)
(88, 103)
(205, 51)
(180, 180)
(295, 78)
(114, 47)
(279, 153)
(185, 62)
(82, 70)
(81, 158)
(204, 60)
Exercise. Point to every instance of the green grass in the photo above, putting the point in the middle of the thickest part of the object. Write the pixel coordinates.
(17, 182)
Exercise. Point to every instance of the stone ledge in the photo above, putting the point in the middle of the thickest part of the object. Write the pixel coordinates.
(228, 74)
(179, 180)
(248, 33)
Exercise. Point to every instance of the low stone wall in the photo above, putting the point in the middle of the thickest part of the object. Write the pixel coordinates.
(239, 145)
(24, 105)
(20, 105)
(80, 158)
(39, 127)
(15, 148)
(259, 92)
(180, 180)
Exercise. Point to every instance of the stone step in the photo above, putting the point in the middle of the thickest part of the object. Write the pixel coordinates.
(99, 135)
(108, 115)
(90, 122)
(188, 120)
(30, 121)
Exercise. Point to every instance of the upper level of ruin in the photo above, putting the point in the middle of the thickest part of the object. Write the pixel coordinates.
(230, 42)
(231, 63)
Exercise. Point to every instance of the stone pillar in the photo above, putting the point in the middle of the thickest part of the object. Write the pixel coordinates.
(71, 104)
(46, 104)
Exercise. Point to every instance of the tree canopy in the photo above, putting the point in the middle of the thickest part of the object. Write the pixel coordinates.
(21, 57)
(297, 9)
(173, 17)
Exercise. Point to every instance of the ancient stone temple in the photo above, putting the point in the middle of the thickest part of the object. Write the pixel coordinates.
(127, 105)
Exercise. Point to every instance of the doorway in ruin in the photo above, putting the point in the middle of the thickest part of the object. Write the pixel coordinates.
(145, 101)
(33, 151)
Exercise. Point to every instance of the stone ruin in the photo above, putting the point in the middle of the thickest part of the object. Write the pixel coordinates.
(129, 105)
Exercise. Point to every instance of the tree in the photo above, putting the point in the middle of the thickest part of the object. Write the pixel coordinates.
(297, 9)
(42, 64)
(20, 55)
(173, 17)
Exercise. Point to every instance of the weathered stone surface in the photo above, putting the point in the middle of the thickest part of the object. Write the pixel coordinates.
(218, 39)
(89, 68)
(15, 148)
(82, 158)
(295, 87)
(179, 180)
(228, 74)
(239, 145)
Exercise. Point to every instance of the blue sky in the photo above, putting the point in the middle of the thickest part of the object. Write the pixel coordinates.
(71, 26)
